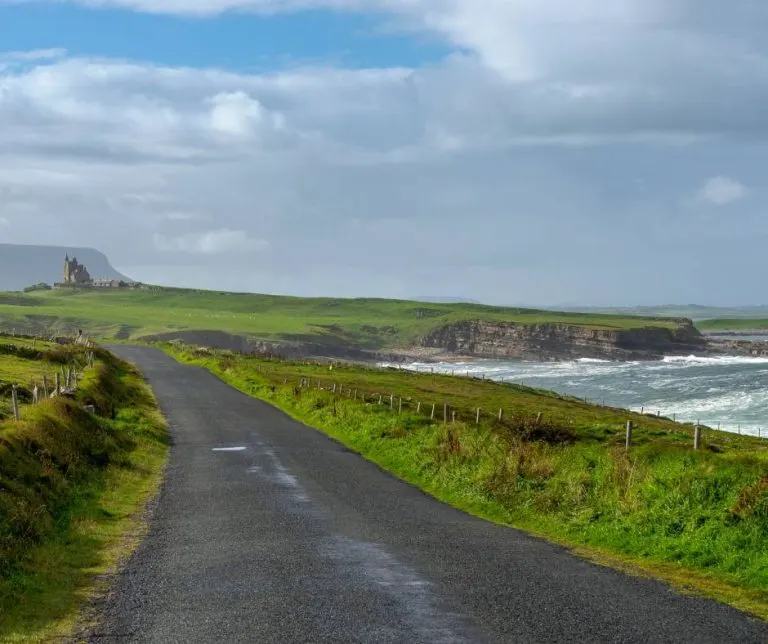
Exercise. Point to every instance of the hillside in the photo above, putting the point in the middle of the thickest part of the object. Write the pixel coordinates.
(22, 266)
(339, 327)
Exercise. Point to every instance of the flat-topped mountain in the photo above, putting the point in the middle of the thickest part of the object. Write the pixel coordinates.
(22, 266)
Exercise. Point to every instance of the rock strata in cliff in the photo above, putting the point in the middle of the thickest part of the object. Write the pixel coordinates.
(483, 339)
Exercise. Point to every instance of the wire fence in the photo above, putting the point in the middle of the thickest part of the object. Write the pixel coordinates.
(55, 378)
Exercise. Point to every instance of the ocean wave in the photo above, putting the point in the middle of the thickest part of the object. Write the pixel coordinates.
(715, 360)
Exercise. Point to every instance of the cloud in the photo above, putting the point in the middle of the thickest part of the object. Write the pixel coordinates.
(33, 55)
(212, 242)
(721, 191)
(515, 170)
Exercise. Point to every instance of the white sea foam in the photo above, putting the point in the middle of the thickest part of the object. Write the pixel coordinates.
(717, 361)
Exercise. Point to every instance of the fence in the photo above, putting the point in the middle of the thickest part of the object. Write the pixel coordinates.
(458, 414)
(448, 413)
(63, 382)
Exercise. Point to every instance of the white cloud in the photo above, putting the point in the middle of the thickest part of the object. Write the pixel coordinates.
(563, 126)
(722, 190)
(212, 242)
(33, 55)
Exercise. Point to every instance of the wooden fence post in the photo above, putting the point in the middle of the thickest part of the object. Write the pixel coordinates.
(355, 394)
(35, 395)
(400, 406)
(697, 438)
(445, 414)
(45, 386)
(629, 434)
(501, 414)
(15, 402)
(391, 401)
(418, 408)
(477, 418)
(58, 384)
(453, 417)
(538, 419)
(432, 416)
(379, 398)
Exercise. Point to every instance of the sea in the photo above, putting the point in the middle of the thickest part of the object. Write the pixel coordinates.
(726, 392)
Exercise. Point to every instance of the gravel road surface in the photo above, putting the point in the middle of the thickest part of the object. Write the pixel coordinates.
(268, 531)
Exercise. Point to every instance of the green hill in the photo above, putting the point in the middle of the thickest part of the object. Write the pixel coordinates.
(371, 324)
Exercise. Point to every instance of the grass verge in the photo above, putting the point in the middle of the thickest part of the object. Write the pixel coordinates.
(73, 487)
(696, 519)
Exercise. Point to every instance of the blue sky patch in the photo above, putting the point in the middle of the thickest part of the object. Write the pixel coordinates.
(236, 41)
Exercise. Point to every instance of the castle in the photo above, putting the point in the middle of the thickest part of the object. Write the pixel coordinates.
(75, 273)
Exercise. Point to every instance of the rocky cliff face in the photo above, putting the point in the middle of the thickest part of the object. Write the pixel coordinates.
(564, 342)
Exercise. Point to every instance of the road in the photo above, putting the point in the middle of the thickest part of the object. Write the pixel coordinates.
(268, 531)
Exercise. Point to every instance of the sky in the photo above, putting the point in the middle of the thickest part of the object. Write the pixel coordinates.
(518, 152)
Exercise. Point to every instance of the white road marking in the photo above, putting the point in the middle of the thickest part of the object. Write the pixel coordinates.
(228, 449)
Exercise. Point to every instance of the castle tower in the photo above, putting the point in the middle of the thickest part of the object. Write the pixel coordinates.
(67, 270)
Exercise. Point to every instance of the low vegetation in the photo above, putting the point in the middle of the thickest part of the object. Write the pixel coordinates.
(71, 483)
(554, 466)
(371, 324)
(733, 325)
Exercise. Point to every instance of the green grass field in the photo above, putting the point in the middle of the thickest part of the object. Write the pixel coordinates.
(361, 323)
(697, 519)
(73, 485)
(733, 325)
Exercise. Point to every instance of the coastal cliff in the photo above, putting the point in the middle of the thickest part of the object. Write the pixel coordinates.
(483, 339)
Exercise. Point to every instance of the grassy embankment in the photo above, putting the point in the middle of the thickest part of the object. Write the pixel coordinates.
(371, 324)
(696, 519)
(72, 485)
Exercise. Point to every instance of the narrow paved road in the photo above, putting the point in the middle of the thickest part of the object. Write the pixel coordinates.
(267, 531)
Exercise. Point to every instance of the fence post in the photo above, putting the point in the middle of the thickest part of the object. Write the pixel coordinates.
(418, 408)
(501, 414)
(697, 438)
(379, 398)
(629, 434)
(58, 384)
(432, 417)
(538, 419)
(35, 395)
(355, 394)
(15, 402)
(445, 414)
(45, 386)
(453, 417)
(477, 417)
(391, 401)
(400, 406)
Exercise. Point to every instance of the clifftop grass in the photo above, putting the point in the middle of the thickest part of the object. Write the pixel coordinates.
(70, 486)
(733, 325)
(361, 323)
(697, 519)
